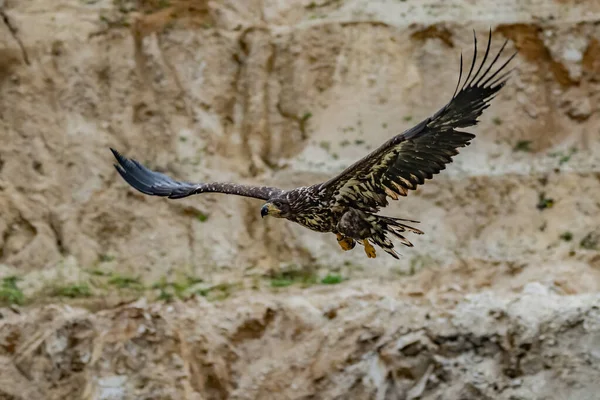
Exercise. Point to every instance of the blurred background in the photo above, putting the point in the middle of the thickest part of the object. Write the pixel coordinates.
(109, 294)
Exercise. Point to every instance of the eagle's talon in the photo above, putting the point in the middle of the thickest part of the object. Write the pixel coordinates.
(346, 243)
(369, 249)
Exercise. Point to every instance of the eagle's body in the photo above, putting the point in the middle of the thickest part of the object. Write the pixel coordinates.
(310, 210)
(347, 204)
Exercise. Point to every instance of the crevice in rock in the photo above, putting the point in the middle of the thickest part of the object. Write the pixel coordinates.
(253, 329)
(175, 76)
(268, 140)
(58, 235)
(142, 109)
(292, 117)
(15, 34)
(255, 131)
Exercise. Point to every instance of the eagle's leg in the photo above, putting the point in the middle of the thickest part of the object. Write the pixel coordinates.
(369, 229)
(346, 243)
(369, 249)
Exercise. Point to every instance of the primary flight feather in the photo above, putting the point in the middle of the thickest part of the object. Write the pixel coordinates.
(347, 204)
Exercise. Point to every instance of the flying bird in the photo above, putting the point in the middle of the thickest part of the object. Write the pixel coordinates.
(347, 204)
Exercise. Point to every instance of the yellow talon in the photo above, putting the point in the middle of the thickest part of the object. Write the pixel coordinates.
(345, 243)
(369, 249)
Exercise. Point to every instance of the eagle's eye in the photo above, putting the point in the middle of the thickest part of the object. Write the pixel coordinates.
(264, 211)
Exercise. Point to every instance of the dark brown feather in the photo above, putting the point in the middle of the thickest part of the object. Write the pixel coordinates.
(156, 184)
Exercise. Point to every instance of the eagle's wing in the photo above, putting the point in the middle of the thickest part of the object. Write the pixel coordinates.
(157, 184)
(406, 160)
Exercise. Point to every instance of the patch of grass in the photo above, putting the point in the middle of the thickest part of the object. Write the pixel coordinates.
(590, 241)
(564, 157)
(303, 277)
(161, 284)
(201, 217)
(332, 279)
(281, 282)
(419, 262)
(218, 292)
(105, 258)
(73, 291)
(165, 296)
(566, 236)
(523, 145)
(125, 282)
(352, 266)
(307, 115)
(98, 272)
(179, 288)
(10, 293)
(325, 145)
(408, 118)
(497, 121)
(544, 202)
(163, 4)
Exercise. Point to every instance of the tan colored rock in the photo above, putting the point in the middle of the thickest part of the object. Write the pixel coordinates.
(496, 300)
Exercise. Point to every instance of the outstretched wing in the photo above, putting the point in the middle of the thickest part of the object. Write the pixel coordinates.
(157, 184)
(406, 160)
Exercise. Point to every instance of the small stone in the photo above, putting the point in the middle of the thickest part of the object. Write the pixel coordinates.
(536, 288)
(573, 55)
(516, 382)
(581, 109)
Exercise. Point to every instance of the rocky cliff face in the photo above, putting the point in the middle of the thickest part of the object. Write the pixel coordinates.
(503, 300)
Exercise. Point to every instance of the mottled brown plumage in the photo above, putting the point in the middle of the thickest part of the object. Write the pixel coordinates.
(347, 204)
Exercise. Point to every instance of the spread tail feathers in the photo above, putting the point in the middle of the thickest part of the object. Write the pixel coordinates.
(394, 226)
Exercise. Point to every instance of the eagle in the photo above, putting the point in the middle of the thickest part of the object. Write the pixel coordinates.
(347, 205)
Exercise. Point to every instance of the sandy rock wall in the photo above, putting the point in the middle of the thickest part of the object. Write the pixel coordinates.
(497, 300)
(358, 343)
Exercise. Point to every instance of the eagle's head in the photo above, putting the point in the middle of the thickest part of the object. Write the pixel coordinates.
(279, 208)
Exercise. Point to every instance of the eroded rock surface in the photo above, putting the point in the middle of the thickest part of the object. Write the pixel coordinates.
(504, 300)
(357, 343)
